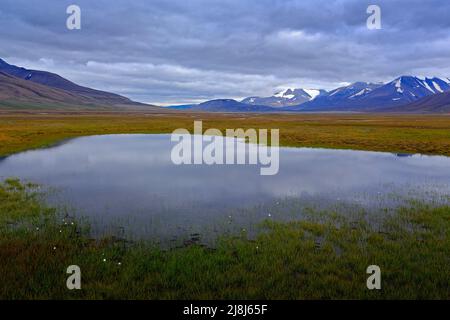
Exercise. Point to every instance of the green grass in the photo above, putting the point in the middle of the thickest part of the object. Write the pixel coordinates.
(427, 134)
(298, 260)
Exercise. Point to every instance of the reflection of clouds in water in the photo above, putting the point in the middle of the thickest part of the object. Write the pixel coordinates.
(121, 175)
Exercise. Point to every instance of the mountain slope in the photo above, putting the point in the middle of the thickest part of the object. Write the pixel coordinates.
(16, 89)
(404, 90)
(340, 97)
(285, 98)
(55, 81)
(353, 91)
(438, 103)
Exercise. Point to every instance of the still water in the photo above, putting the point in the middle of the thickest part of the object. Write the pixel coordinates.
(129, 183)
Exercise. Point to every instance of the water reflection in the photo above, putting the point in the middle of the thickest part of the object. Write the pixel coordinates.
(130, 180)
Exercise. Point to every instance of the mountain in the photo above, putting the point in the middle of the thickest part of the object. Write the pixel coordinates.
(14, 89)
(78, 94)
(404, 90)
(403, 94)
(285, 98)
(340, 97)
(352, 92)
(362, 96)
(437, 103)
(230, 105)
(181, 106)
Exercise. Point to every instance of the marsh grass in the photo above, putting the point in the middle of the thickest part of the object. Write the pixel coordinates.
(322, 258)
(427, 134)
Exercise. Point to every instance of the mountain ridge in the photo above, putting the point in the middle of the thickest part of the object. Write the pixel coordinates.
(230, 105)
(403, 94)
(370, 97)
(48, 81)
(285, 98)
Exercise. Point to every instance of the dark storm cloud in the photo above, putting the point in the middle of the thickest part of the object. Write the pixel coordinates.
(168, 51)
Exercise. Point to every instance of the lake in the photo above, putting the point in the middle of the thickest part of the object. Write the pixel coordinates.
(128, 184)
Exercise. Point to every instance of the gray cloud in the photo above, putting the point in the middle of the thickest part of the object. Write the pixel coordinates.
(177, 51)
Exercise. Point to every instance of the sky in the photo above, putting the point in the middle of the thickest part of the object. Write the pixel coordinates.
(186, 51)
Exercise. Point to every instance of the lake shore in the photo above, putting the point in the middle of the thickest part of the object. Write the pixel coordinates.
(299, 260)
(426, 134)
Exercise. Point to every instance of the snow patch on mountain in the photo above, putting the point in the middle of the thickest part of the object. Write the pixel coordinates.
(427, 86)
(313, 93)
(282, 94)
(438, 88)
(398, 85)
(360, 93)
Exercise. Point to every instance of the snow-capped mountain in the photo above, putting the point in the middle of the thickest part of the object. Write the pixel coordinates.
(361, 96)
(406, 89)
(285, 98)
(340, 96)
(393, 96)
(353, 91)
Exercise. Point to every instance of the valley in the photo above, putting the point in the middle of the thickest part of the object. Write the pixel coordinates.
(233, 151)
(315, 257)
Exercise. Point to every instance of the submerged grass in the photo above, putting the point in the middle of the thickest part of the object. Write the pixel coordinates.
(297, 260)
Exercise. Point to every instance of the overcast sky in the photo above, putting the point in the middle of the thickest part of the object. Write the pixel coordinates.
(182, 51)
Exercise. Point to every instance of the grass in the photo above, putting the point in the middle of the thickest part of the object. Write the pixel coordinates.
(298, 260)
(427, 134)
